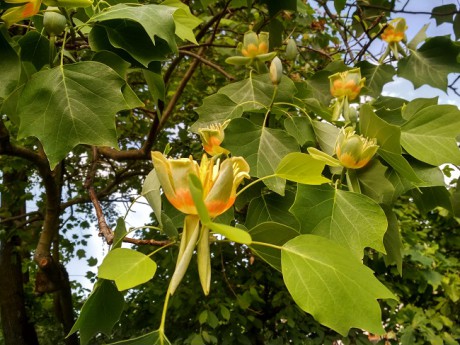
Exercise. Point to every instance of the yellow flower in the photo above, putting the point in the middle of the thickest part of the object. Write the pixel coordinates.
(395, 31)
(212, 137)
(18, 13)
(347, 84)
(254, 44)
(354, 151)
(219, 179)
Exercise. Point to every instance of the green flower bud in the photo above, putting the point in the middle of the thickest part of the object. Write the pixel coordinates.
(354, 151)
(276, 71)
(53, 21)
(291, 50)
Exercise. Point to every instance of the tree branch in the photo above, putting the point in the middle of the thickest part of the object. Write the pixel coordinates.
(209, 63)
(104, 229)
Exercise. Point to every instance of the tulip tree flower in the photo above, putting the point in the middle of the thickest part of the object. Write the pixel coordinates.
(254, 50)
(345, 87)
(18, 13)
(354, 151)
(394, 33)
(212, 137)
(219, 180)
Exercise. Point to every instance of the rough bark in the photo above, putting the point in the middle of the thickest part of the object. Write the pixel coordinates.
(17, 330)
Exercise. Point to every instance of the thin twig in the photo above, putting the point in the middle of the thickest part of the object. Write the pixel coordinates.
(104, 229)
(209, 63)
(146, 242)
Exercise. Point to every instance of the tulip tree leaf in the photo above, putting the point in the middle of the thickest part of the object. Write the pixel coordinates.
(301, 168)
(250, 94)
(152, 338)
(35, 48)
(301, 129)
(151, 191)
(257, 91)
(388, 137)
(329, 282)
(374, 184)
(10, 65)
(263, 148)
(392, 241)
(273, 233)
(376, 77)
(100, 312)
(127, 267)
(120, 233)
(231, 233)
(156, 20)
(271, 207)
(70, 105)
(216, 109)
(185, 21)
(430, 135)
(350, 219)
(327, 136)
(431, 63)
(444, 13)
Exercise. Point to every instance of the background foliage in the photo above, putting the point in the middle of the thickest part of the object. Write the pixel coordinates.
(82, 109)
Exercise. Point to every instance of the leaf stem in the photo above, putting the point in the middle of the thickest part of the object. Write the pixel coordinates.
(63, 47)
(267, 245)
(254, 182)
(161, 330)
(130, 206)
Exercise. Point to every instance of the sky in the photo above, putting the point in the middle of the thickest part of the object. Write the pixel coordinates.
(402, 88)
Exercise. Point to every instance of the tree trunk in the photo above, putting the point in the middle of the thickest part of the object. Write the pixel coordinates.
(17, 330)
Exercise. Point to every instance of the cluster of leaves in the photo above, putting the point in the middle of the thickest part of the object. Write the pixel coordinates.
(311, 219)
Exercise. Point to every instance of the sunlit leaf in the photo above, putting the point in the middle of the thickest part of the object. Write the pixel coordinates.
(329, 282)
(231, 233)
(352, 220)
(185, 21)
(301, 168)
(430, 135)
(127, 267)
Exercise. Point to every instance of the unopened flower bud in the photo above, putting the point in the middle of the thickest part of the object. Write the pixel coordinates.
(347, 84)
(53, 21)
(291, 50)
(212, 137)
(276, 71)
(354, 151)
